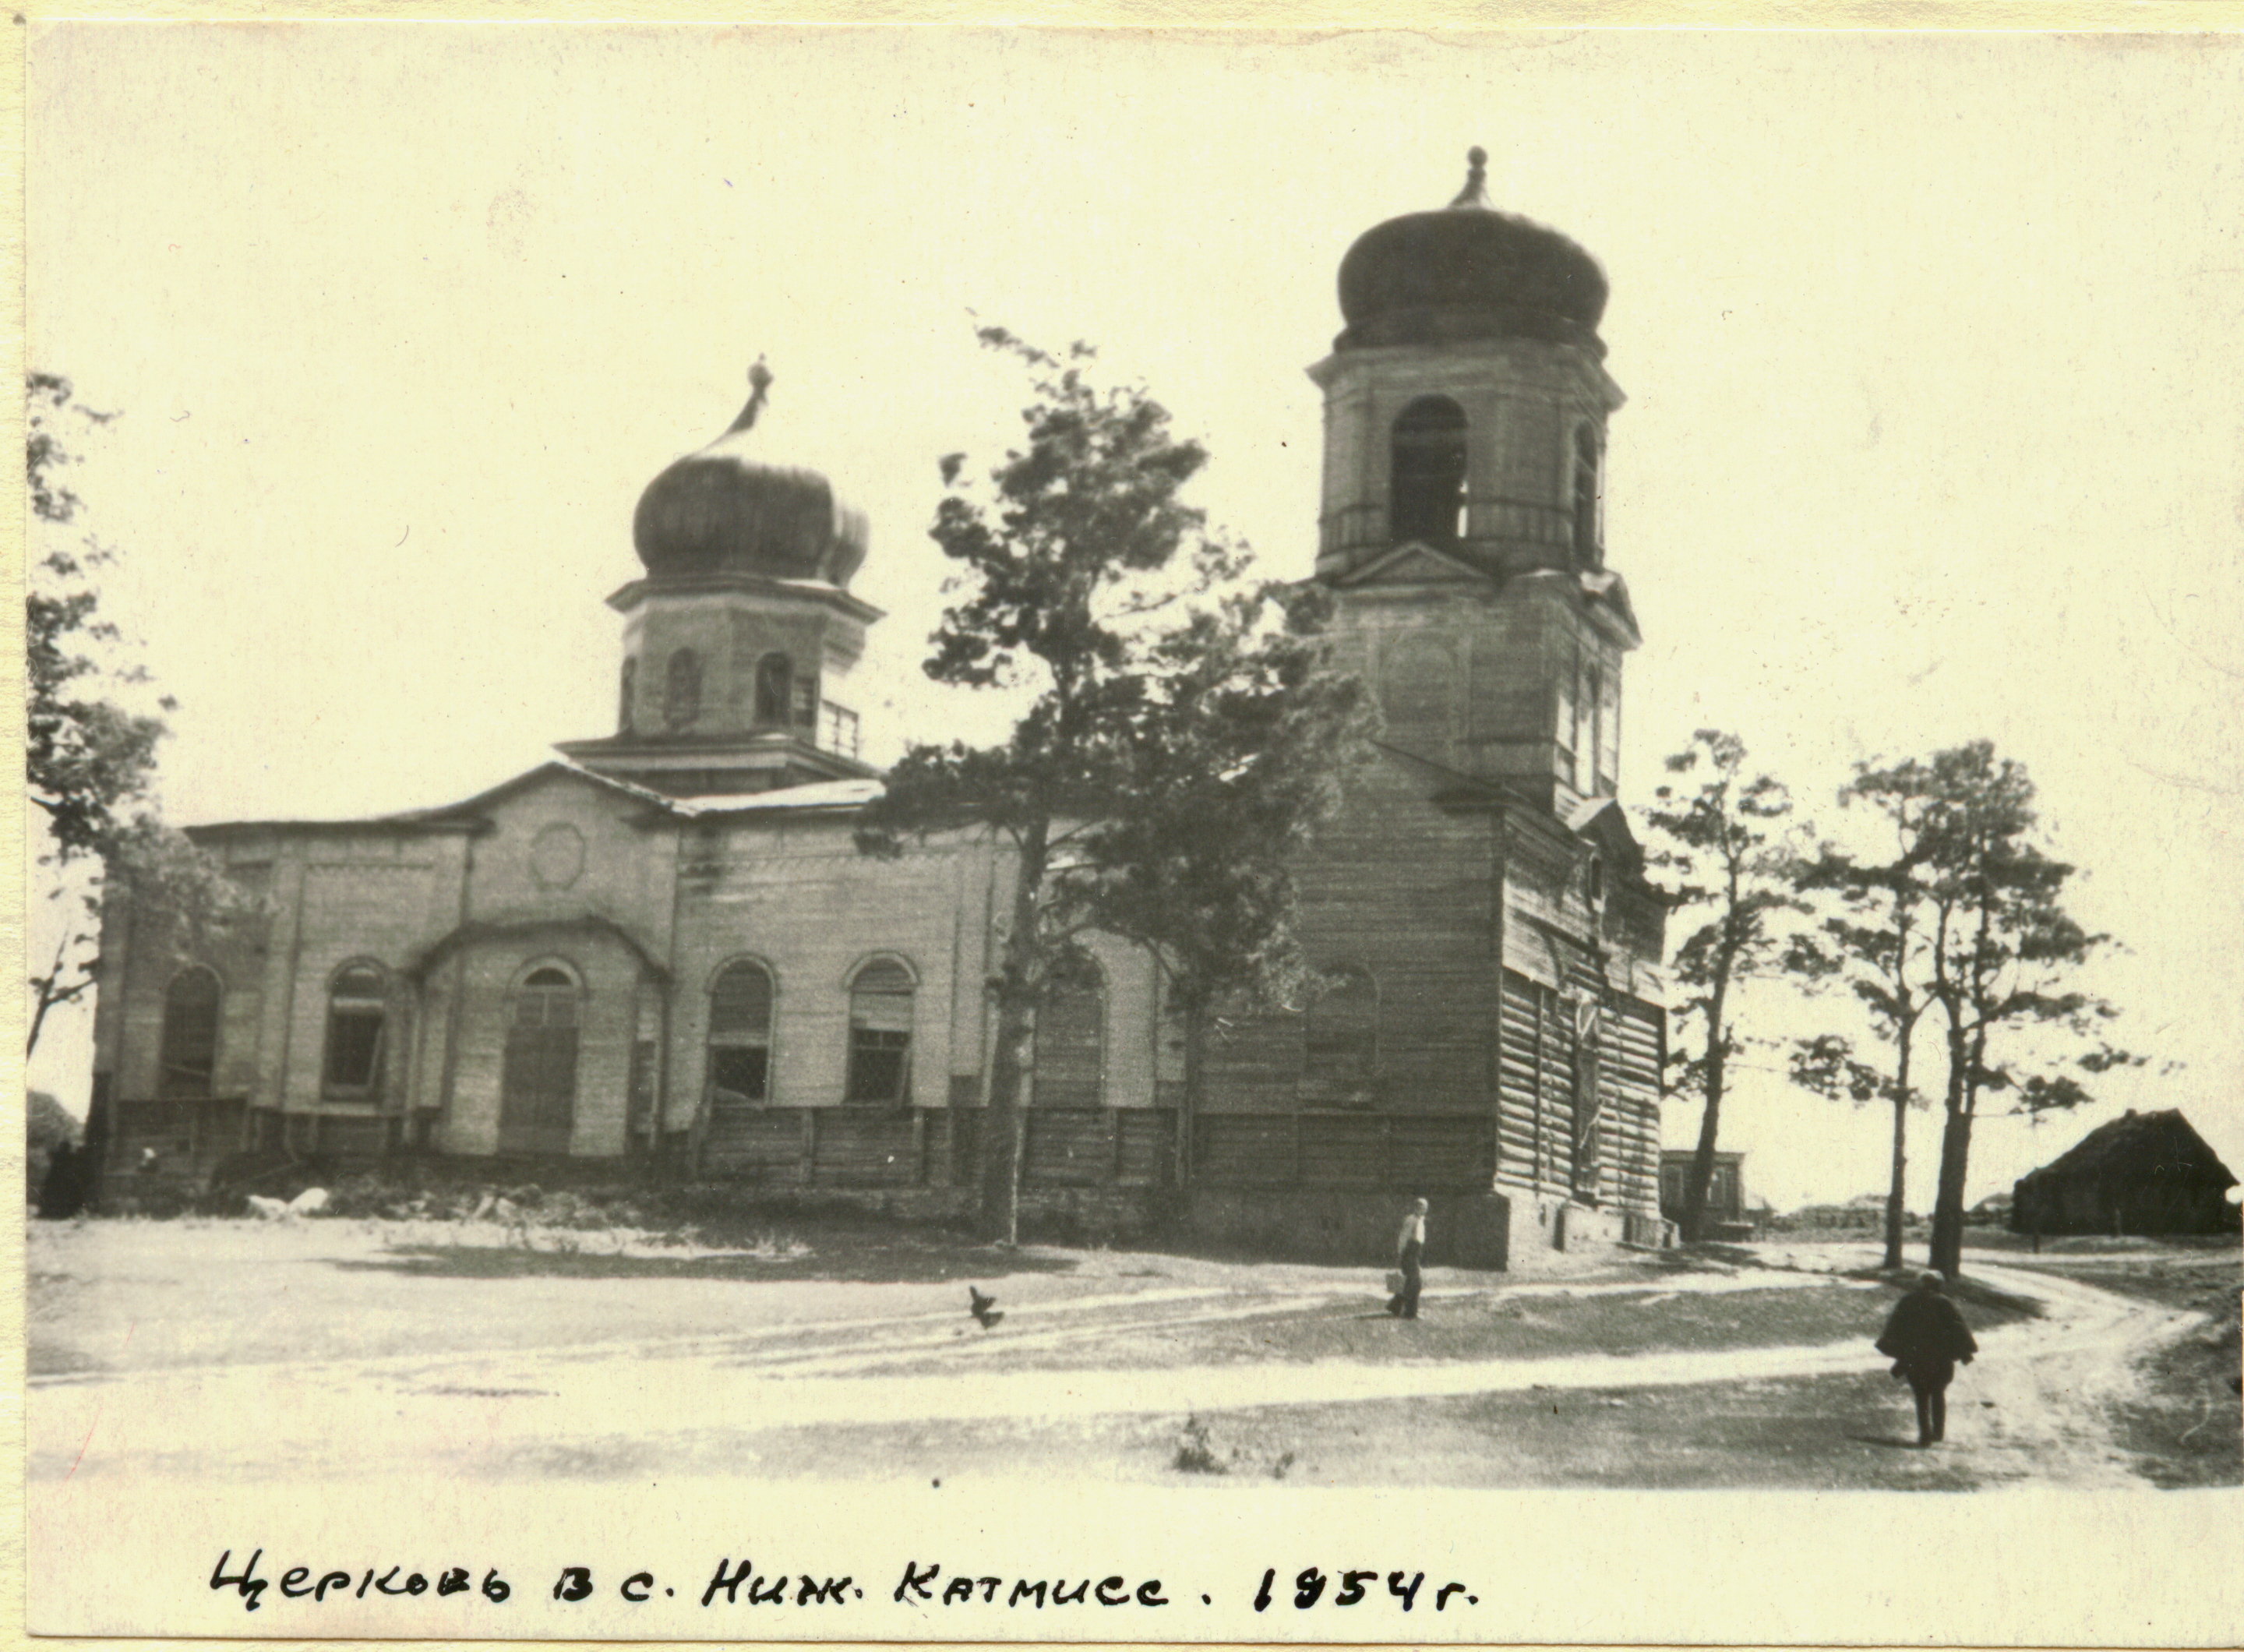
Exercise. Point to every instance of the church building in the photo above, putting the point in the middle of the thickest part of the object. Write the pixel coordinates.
(663, 949)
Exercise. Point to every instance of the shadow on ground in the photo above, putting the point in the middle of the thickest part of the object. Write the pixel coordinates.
(860, 1264)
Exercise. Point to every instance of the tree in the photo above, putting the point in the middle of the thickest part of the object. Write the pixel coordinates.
(91, 735)
(1173, 748)
(2003, 952)
(1732, 864)
(1877, 943)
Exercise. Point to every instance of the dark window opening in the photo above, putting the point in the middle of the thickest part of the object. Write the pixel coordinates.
(358, 1021)
(1586, 495)
(775, 683)
(187, 1059)
(739, 1036)
(1427, 474)
(1593, 882)
(805, 702)
(880, 1034)
(628, 688)
(681, 699)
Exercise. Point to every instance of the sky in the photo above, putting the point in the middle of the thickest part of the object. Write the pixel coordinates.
(1932, 345)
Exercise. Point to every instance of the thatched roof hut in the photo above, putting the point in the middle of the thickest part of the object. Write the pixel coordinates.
(2148, 1173)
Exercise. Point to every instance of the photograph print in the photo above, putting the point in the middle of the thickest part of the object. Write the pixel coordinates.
(947, 834)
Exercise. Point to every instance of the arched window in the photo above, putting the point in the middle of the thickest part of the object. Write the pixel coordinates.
(358, 1028)
(538, 1088)
(629, 687)
(187, 1059)
(880, 1033)
(1426, 472)
(1071, 1048)
(1340, 1039)
(1586, 539)
(681, 694)
(774, 686)
(740, 1035)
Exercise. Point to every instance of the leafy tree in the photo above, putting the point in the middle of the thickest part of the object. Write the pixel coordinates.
(1732, 863)
(1173, 748)
(2003, 952)
(91, 732)
(1877, 943)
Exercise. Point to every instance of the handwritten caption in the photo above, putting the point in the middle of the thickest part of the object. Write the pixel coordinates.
(740, 1584)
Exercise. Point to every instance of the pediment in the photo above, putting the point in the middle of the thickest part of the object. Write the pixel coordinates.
(1416, 564)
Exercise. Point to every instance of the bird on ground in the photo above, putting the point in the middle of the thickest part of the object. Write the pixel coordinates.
(984, 1308)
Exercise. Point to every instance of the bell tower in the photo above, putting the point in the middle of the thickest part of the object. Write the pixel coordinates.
(1462, 516)
(740, 640)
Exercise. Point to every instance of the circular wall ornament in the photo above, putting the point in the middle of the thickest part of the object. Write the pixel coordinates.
(557, 856)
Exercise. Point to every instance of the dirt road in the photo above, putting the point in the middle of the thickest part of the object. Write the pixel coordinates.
(161, 1350)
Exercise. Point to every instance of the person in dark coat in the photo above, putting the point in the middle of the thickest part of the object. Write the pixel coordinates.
(62, 1195)
(1924, 1338)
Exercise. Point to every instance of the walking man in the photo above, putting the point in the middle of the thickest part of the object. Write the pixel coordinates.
(1410, 1253)
(1924, 1338)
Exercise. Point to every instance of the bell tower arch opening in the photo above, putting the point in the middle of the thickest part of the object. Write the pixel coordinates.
(1427, 470)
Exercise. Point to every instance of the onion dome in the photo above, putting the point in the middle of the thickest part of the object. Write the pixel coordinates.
(721, 511)
(1468, 272)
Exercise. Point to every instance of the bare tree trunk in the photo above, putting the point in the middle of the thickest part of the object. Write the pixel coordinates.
(1702, 1163)
(1003, 1123)
(1001, 1126)
(1947, 1247)
(1897, 1207)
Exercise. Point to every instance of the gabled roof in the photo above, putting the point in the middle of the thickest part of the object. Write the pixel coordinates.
(555, 769)
(1414, 562)
(1604, 821)
(2135, 1144)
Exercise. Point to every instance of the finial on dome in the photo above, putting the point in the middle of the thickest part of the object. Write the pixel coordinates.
(1475, 193)
(760, 378)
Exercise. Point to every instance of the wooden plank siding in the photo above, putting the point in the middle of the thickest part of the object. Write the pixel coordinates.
(848, 1147)
(1421, 1153)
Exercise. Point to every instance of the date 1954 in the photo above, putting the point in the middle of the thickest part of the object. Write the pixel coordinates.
(1354, 1589)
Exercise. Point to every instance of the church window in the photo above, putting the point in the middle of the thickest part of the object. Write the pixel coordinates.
(538, 1082)
(1071, 1046)
(1340, 1038)
(1426, 472)
(1587, 498)
(741, 1035)
(187, 1058)
(805, 702)
(880, 996)
(1593, 881)
(774, 685)
(681, 697)
(838, 729)
(629, 688)
(358, 1025)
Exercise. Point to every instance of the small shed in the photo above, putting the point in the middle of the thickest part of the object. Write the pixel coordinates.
(1729, 1214)
(2148, 1173)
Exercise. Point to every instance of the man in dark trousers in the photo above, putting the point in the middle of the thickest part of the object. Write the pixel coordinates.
(1410, 1253)
(1924, 1338)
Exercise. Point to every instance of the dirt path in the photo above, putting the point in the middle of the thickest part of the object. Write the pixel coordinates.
(2043, 1388)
